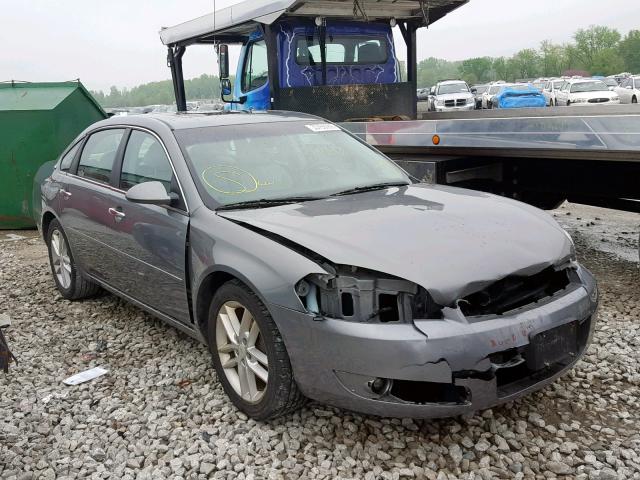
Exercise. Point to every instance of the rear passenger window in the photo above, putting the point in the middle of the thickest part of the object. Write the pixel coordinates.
(67, 160)
(99, 154)
(145, 161)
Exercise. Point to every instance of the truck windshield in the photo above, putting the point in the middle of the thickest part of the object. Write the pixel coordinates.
(346, 49)
(452, 88)
(262, 161)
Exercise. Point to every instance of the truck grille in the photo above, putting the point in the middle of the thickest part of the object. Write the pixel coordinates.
(461, 102)
(449, 103)
(598, 100)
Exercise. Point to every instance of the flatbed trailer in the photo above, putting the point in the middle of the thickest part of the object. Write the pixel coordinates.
(540, 156)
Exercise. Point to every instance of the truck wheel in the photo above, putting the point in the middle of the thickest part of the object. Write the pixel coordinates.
(69, 281)
(249, 354)
(634, 100)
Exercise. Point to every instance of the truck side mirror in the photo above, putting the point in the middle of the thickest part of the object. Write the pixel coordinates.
(226, 86)
(223, 61)
(432, 91)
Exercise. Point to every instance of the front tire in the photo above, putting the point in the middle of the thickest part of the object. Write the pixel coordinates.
(634, 100)
(249, 354)
(69, 281)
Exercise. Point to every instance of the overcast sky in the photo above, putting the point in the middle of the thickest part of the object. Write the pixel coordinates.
(116, 42)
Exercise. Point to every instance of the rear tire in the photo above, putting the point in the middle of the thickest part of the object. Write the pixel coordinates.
(634, 100)
(254, 347)
(69, 281)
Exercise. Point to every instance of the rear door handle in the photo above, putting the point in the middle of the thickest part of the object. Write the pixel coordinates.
(118, 215)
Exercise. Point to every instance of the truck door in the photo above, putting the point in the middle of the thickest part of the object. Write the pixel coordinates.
(253, 77)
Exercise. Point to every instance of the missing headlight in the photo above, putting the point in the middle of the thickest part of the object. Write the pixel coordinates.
(360, 295)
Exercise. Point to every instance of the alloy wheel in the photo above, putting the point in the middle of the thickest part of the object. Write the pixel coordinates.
(60, 259)
(242, 351)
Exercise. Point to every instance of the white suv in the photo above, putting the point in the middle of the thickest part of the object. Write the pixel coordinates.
(450, 96)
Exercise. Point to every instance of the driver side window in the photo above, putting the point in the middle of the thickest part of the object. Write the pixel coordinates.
(145, 161)
(255, 71)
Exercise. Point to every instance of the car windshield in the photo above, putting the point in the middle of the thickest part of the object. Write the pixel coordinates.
(520, 87)
(495, 89)
(452, 88)
(610, 82)
(481, 89)
(281, 160)
(594, 86)
(558, 84)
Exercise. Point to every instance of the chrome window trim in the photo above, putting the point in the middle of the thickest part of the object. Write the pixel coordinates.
(111, 187)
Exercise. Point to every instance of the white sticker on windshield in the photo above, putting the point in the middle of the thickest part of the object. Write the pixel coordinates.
(323, 127)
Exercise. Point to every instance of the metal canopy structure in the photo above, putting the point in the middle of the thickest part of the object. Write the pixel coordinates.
(238, 21)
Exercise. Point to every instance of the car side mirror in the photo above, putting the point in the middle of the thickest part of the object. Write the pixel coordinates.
(223, 61)
(149, 193)
(474, 90)
(432, 91)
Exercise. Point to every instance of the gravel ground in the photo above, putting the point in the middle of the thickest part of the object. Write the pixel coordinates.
(160, 413)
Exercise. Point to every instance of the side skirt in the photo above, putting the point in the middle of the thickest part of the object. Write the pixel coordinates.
(194, 333)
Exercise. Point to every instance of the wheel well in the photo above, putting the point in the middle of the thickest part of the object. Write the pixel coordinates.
(47, 218)
(206, 291)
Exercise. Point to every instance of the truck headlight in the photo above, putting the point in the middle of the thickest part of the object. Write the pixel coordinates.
(471, 101)
(615, 98)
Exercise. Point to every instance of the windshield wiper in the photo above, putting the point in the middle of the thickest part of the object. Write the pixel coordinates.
(370, 188)
(266, 202)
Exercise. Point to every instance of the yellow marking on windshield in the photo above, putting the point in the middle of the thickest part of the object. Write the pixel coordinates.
(230, 180)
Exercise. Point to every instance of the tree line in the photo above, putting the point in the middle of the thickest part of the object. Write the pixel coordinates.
(159, 93)
(596, 50)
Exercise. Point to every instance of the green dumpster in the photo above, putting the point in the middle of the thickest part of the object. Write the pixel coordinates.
(37, 122)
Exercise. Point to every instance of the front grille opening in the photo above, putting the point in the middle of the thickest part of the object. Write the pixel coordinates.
(505, 376)
(347, 304)
(429, 392)
(388, 308)
(514, 292)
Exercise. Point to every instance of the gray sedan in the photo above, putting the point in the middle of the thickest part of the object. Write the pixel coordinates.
(313, 267)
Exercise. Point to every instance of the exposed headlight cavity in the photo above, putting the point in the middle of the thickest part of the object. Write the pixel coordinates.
(360, 295)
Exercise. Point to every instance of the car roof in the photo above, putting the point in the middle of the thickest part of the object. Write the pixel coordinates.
(186, 120)
(449, 82)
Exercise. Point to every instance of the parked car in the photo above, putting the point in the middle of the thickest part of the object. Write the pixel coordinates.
(629, 90)
(478, 91)
(451, 95)
(494, 89)
(550, 90)
(586, 92)
(311, 266)
(609, 82)
(423, 94)
(519, 95)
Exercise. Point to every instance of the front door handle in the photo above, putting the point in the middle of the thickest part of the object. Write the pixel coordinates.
(66, 195)
(118, 215)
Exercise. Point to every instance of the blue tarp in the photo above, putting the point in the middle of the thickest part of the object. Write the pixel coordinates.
(511, 98)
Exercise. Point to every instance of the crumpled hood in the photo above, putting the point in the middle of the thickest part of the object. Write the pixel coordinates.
(451, 241)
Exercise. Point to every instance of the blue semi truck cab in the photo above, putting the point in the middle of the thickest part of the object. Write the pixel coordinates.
(332, 58)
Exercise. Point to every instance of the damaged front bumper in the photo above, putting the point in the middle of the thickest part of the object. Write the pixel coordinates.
(440, 368)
